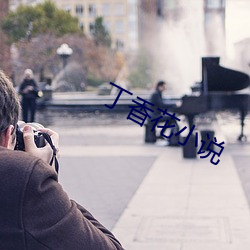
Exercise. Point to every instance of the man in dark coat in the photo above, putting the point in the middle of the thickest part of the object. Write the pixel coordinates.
(157, 100)
(35, 212)
(29, 91)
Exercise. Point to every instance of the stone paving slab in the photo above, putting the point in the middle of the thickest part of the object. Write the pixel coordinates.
(187, 204)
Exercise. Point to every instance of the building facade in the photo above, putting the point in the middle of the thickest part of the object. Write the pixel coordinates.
(120, 18)
(176, 11)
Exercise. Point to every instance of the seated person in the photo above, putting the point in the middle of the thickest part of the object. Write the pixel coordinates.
(157, 100)
(35, 212)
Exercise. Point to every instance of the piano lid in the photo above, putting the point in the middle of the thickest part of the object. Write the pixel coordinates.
(217, 78)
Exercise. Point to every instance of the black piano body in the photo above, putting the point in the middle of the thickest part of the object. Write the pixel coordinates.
(220, 89)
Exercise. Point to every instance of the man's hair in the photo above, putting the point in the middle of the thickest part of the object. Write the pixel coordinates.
(9, 104)
(159, 84)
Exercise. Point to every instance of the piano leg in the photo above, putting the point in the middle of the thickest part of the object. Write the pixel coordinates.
(190, 121)
(243, 114)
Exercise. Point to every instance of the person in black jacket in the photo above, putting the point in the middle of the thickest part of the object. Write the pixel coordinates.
(157, 100)
(29, 91)
(35, 212)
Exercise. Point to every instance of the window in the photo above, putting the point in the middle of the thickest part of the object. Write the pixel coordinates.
(119, 26)
(215, 4)
(79, 10)
(119, 9)
(106, 9)
(92, 10)
(82, 26)
(91, 27)
(119, 44)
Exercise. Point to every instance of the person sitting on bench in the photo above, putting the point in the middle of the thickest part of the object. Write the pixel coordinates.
(157, 100)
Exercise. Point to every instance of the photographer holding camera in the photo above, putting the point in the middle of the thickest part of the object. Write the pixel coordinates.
(35, 212)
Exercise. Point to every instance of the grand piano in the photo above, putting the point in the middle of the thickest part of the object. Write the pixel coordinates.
(220, 89)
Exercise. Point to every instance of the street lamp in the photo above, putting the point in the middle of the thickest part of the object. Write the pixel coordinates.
(64, 51)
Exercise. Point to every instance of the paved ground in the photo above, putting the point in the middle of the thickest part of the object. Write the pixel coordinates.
(94, 172)
(149, 195)
(240, 152)
(189, 205)
(104, 184)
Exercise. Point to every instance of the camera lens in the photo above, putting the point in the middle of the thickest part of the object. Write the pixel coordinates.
(38, 137)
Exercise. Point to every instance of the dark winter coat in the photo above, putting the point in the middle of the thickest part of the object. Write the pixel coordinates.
(36, 214)
(156, 99)
(32, 93)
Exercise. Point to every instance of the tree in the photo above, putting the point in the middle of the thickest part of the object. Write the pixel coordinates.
(141, 75)
(100, 33)
(96, 64)
(42, 18)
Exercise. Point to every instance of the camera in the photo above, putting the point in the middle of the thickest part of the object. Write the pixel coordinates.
(38, 137)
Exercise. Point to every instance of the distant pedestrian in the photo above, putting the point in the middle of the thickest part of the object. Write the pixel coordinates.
(29, 91)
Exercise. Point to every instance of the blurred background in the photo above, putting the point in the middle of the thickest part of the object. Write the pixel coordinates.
(133, 42)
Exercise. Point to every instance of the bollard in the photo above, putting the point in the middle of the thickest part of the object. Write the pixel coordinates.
(189, 150)
(204, 138)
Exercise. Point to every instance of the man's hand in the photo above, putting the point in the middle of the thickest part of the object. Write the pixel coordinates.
(45, 153)
(28, 89)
